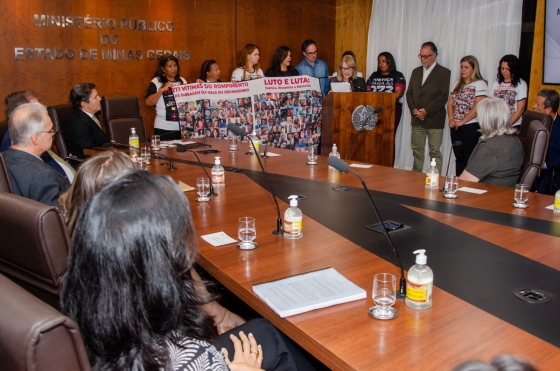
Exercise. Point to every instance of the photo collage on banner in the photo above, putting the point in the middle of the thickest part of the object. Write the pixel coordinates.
(284, 112)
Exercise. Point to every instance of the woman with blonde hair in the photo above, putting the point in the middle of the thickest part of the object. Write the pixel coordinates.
(249, 67)
(347, 72)
(498, 156)
(469, 90)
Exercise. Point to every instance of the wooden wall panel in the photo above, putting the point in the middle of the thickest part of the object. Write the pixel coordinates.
(352, 26)
(275, 23)
(211, 29)
(538, 56)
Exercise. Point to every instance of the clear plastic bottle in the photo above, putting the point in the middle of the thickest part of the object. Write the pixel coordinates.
(293, 218)
(334, 153)
(432, 176)
(256, 142)
(218, 174)
(557, 203)
(134, 141)
(419, 283)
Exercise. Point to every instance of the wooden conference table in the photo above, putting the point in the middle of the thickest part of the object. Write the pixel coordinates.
(344, 337)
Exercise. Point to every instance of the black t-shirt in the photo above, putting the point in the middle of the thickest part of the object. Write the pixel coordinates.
(386, 83)
(277, 73)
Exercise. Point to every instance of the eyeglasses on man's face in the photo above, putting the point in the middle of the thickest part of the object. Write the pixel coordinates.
(425, 56)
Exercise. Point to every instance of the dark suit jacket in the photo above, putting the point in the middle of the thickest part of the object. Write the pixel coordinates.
(553, 154)
(32, 178)
(432, 96)
(83, 132)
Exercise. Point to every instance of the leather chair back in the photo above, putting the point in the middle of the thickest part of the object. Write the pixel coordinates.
(120, 114)
(534, 146)
(36, 337)
(3, 128)
(530, 116)
(35, 246)
(60, 116)
(5, 185)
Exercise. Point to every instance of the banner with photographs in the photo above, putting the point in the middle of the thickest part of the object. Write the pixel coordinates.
(284, 111)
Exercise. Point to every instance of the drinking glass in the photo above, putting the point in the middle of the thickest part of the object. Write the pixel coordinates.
(233, 143)
(311, 155)
(155, 143)
(202, 189)
(247, 232)
(520, 196)
(139, 161)
(384, 296)
(145, 153)
(451, 186)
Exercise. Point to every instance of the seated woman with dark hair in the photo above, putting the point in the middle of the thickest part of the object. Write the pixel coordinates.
(93, 175)
(498, 156)
(209, 72)
(281, 64)
(132, 294)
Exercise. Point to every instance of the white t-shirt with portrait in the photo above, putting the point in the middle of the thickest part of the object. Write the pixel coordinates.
(464, 99)
(510, 94)
(237, 75)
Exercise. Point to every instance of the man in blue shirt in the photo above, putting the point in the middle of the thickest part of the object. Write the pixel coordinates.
(312, 66)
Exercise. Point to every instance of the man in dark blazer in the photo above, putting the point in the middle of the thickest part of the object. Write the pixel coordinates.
(547, 102)
(84, 129)
(31, 132)
(426, 97)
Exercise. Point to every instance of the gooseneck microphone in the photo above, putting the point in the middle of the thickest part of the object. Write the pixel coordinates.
(153, 154)
(180, 148)
(457, 143)
(342, 166)
(237, 131)
(375, 111)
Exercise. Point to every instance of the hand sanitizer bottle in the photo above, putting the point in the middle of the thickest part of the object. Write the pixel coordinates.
(133, 141)
(334, 153)
(419, 283)
(293, 220)
(218, 174)
(432, 176)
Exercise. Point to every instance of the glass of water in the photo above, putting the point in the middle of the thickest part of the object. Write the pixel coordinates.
(247, 232)
(311, 155)
(233, 143)
(384, 295)
(202, 189)
(145, 153)
(520, 196)
(451, 186)
(155, 143)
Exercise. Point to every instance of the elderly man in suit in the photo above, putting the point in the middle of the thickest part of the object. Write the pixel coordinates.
(426, 97)
(84, 129)
(31, 132)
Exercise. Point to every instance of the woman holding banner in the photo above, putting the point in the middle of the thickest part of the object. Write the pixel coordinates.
(159, 94)
(209, 72)
(249, 67)
(281, 64)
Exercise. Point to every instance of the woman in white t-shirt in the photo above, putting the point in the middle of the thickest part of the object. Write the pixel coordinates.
(159, 94)
(461, 110)
(249, 67)
(511, 88)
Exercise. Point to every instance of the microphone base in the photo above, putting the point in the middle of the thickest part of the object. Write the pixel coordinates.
(265, 156)
(401, 293)
(278, 231)
(171, 167)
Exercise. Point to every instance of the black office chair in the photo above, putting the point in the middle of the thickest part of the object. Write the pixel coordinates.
(5, 185)
(119, 115)
(3, 128)
(535, 145)
(60, 116)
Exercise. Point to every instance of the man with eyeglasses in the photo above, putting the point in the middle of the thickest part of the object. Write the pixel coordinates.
(31, 133)
(426, 97)
(312, 66)
(16, 99)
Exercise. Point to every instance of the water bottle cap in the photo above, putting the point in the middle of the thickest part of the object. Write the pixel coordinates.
(421, 258)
